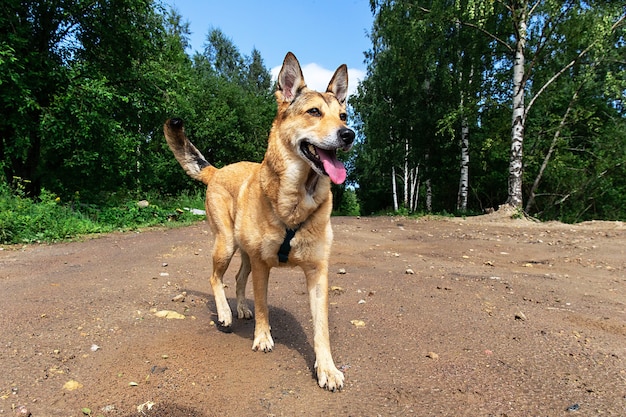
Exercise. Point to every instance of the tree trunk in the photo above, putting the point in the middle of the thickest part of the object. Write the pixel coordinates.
(394, 189)
(429, 196)
(461, 203)
(415, 184)
(519, 116)
(406, 174)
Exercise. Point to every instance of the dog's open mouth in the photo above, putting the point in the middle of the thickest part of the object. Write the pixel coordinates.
(325, 161)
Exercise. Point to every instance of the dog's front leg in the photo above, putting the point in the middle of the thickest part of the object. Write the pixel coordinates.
(328, 376)
(262, 337)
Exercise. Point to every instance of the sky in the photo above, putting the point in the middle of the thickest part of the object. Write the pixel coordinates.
(323, 34)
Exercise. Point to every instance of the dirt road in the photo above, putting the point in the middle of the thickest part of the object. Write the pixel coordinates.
(485, 316)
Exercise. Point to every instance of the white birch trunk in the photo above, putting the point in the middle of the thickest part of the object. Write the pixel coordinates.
(415, 187)
(394, 189)
(429, 196)
(406, 174)
(519, 116)
(461, 203)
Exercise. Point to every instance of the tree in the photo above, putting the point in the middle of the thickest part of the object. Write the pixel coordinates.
(464, 65)
(35, 43)
(419, 98)
(536, 27)
(232, 101)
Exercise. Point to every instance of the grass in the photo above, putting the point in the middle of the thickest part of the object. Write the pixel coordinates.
(48, 219)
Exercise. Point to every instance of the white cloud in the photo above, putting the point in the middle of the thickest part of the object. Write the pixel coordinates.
(317, 77)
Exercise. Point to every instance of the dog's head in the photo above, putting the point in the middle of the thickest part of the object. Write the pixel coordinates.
(315, 122)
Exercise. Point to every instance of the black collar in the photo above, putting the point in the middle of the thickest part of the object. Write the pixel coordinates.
(285, 247)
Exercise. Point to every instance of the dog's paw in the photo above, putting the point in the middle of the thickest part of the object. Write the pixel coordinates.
(243, 312)
(223, 328)
(330, 378)
(224, 315)
(263, 342)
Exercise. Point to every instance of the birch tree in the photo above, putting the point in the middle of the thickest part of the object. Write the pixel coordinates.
(485, 85)
(534, 24)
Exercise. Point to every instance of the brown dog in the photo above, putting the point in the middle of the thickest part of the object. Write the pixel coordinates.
(277, 213)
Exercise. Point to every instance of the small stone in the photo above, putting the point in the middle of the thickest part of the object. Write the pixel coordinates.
(573, 407)
(409, 271)
(143, 203)
(22, 411)
(337, 290)
(520, 316)
(72, 385)
(168, 314)
(180, 297)
(341, 271)
(432, 355)
(361, 301)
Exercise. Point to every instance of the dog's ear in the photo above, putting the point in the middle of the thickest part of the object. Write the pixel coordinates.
(290, 78)
(338, 85)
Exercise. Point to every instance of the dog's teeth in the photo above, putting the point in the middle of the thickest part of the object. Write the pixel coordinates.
(313, 150)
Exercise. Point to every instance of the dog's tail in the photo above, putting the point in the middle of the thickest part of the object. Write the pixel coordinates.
(187, 155)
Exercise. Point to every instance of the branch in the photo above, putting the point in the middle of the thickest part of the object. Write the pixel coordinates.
(554, 77)
(533, 7)
(568, 66)
(486, 32)
(546, 159)
(489, 34)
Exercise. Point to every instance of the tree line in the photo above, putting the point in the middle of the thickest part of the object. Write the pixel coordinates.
(471, 104)
(467, 104)
(87, 85)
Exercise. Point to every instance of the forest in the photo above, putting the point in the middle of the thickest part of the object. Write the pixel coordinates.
(467, 105)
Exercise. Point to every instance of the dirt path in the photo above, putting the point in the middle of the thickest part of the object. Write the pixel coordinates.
(500, 318)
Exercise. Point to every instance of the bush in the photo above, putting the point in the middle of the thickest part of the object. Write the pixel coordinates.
(48, 219)
(349, 205)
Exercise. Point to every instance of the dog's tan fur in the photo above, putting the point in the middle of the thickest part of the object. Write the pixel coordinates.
(250, 206)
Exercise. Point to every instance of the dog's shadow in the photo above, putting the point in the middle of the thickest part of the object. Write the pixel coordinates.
(286, 329)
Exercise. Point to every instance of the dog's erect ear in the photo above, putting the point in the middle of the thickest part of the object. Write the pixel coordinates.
(290, 78)
(338, 85)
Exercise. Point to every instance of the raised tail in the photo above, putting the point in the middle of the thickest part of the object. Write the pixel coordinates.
(187, 155)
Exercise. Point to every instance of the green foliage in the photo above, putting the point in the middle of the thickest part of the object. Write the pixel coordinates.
(348, 203)
(49, 219)
(436, 64)
(86, 86)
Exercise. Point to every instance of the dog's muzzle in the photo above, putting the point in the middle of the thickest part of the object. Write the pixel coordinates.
(347, 137)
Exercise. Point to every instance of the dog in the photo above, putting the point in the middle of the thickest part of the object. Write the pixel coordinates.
(277, 213)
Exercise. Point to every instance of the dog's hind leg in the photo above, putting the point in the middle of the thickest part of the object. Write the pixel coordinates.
(262, 337)
(243, 311)
(328, 376)
(223, 251)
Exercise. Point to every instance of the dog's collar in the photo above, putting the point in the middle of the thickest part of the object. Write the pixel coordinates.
(285, 247)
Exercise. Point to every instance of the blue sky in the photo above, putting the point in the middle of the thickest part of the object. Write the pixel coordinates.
(323, 34)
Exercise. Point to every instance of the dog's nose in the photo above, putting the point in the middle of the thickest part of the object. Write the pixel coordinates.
(346, 135)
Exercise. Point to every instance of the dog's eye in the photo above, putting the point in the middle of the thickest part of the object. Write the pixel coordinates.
(314, 112)
(343, 117)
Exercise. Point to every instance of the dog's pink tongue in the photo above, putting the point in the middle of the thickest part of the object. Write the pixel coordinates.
(333, 166)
